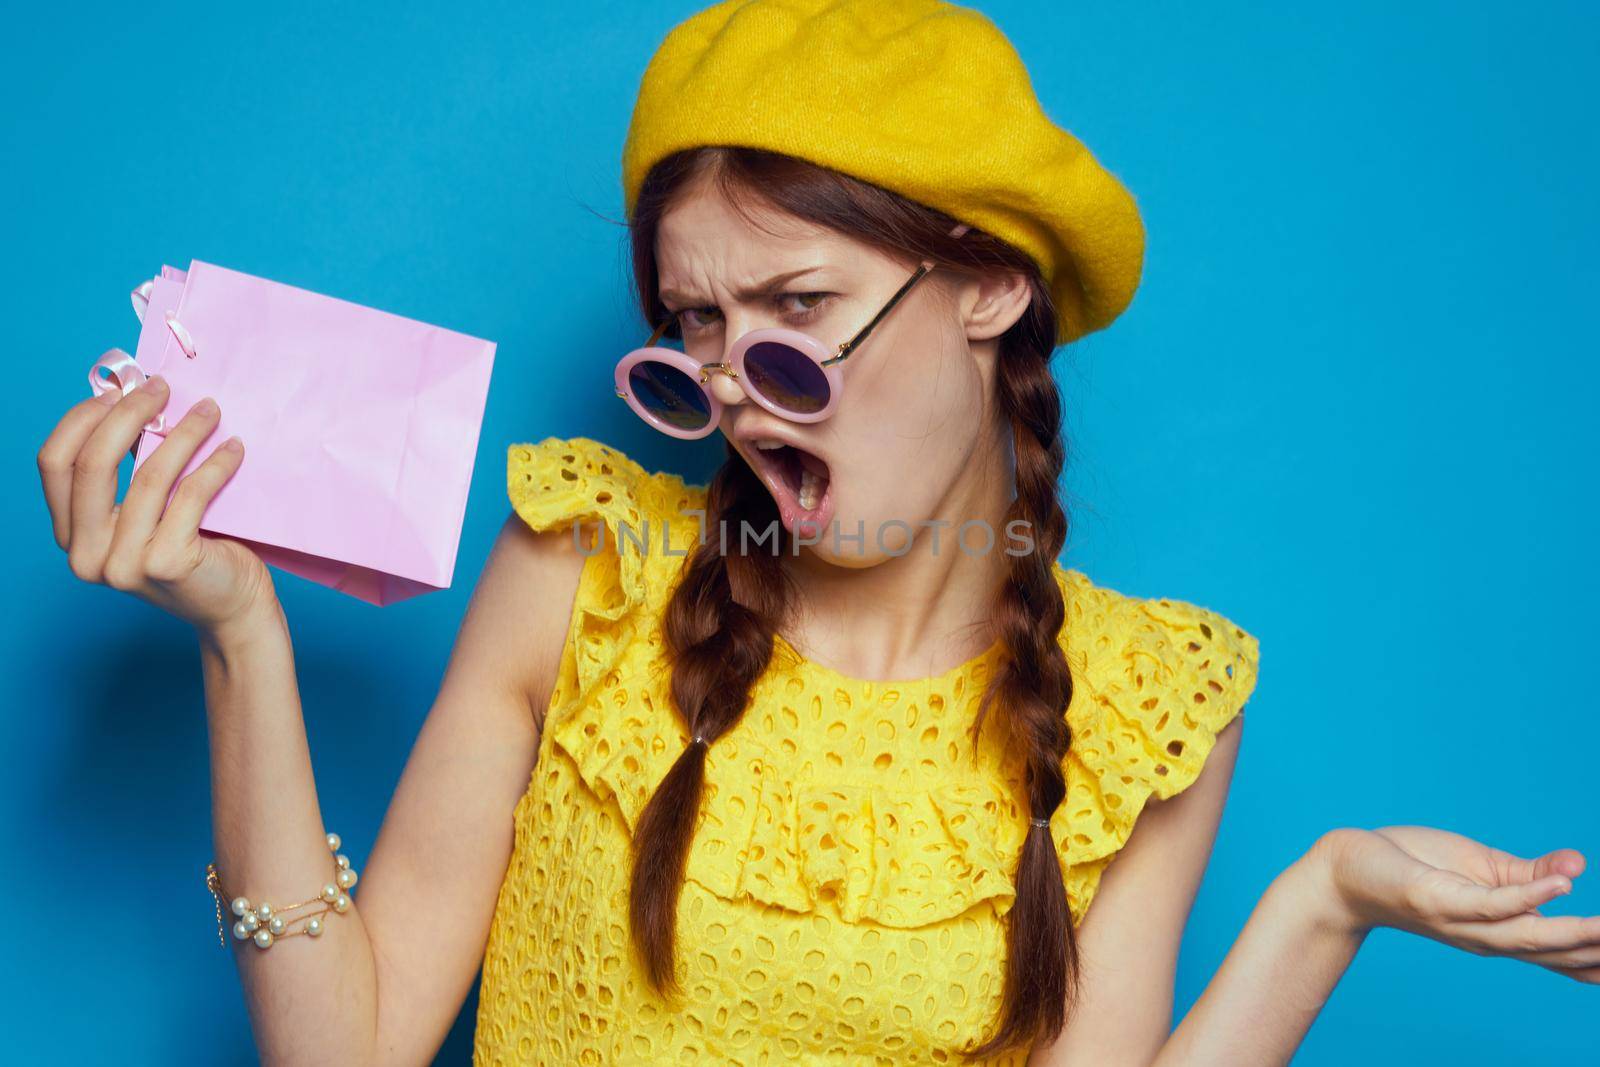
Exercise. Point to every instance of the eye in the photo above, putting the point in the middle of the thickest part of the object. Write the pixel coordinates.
(796, 307)
(809, 304)
(687, 318)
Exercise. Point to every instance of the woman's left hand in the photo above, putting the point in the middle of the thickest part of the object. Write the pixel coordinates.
(1452, 889)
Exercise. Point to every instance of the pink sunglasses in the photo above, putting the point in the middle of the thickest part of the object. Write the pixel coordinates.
(791, 374)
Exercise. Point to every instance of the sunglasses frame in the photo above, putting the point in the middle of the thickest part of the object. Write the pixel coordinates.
(734, 365)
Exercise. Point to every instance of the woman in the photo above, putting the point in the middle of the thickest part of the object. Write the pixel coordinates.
(843, 794)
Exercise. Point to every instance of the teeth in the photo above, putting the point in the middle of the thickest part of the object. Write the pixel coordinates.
(810, 489)
(767, 446)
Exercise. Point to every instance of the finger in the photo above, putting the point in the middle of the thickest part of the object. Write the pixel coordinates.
(180, 525)
(57, 454)
(1568, 941)
(1568, 958)
(94, 476)
(1529, 935)
(1462, 900)
(1587, 975)
(1567, 861)
(151, 486)
(1512, 868)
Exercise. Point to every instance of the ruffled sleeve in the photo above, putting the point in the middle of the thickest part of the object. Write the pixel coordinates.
(1157, 680)
(648, 522)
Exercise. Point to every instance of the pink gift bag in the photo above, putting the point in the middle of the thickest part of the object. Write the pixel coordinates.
(360, 427)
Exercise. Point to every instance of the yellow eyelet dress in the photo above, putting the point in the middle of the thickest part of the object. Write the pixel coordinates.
(852, 864)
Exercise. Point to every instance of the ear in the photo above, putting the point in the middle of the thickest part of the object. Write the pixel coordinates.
(992, 304)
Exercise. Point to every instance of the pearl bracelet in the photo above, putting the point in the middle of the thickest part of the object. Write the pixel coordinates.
(265, 924)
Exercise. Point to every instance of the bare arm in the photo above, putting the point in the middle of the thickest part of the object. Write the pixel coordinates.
(386, 980)
(1302, 934)
(1277, 975)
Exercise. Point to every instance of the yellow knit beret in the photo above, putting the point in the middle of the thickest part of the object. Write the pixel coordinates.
(924, 98)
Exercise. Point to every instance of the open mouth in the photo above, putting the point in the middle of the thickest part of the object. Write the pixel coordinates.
(800, 483)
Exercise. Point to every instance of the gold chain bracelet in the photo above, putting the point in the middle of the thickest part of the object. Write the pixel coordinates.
(265, 924)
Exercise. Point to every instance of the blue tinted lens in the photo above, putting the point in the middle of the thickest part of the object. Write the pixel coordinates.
(670, 395)
(787, 377)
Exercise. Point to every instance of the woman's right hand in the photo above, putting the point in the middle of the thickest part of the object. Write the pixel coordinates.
(1463, 893)
(146, 545)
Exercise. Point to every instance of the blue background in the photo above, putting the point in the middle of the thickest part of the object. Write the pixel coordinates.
(1351, 408)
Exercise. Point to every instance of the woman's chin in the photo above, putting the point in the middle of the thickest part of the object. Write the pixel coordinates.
(838, 537)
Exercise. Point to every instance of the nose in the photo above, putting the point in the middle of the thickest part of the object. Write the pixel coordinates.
(722, 386)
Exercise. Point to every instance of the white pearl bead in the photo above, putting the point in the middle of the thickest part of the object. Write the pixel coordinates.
(342, 860)
(276, 925)
(330, 892)
(250, 921)
(240, 905)
(347, 878)
(314, 928)
(263, 938)
(242, 930)
(263, 911)
(333, 842)
(342, 904)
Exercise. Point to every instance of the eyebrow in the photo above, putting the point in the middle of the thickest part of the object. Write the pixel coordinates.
(673, 296)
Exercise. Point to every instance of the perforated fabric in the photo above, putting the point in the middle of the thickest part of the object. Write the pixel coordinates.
(852, 863)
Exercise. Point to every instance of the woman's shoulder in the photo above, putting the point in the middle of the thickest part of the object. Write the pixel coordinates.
(1155, 680)
(556, 480)
(1158, 663)
(644, 521)
(1107, 629)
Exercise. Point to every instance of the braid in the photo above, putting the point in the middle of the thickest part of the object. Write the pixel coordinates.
(1034, 687)
(718, 628)
(721, 620)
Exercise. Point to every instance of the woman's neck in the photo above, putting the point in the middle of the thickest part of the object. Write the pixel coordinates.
(923, 612)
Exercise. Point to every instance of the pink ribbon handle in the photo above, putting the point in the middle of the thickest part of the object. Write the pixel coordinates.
(141, 298)
(180, 334)
(118, 370)
(141, 305)
(122, 373)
